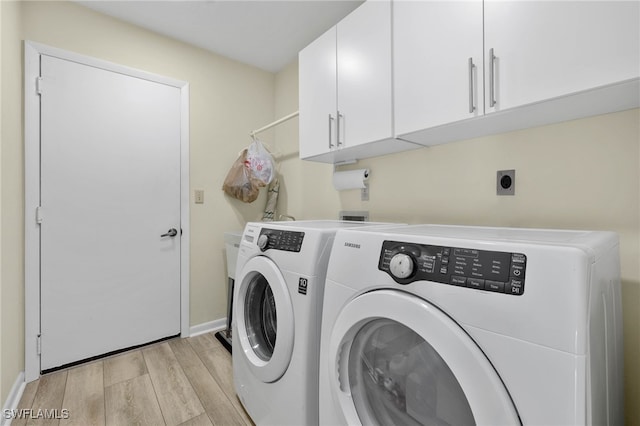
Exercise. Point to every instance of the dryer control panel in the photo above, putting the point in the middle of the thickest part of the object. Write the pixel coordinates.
(278, 239)
(496, 271)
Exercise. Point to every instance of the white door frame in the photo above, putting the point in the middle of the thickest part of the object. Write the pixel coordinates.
(32, 52)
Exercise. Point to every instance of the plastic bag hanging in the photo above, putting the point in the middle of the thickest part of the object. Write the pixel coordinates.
(240, 183)
(260, 162)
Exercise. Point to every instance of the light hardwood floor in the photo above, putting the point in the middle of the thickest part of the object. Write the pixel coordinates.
(176, 382)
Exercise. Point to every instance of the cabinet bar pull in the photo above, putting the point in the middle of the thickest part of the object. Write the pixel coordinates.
(340, 115)
(492, 91)
(330, 121)
(472, 107)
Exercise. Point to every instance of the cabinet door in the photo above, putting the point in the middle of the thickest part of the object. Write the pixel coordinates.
(317, 95)
(434, 81)
(364, 74)
(552, 48)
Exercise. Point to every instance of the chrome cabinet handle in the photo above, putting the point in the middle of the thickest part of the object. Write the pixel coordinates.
(492, 91)
(330, 121)
(472, 106)
(170, 233)
(340, 115)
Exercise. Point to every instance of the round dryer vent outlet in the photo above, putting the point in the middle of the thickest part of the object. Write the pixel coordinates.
(506, 182)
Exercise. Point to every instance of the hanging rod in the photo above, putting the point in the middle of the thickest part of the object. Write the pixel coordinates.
(275, 123)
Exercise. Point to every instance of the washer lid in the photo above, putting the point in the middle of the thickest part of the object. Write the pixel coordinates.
(397, 359)
(264, 314)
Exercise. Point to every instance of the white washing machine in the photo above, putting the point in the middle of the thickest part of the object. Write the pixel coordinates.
(280, 276)
(445, 325)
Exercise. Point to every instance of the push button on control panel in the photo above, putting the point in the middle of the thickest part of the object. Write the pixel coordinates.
(515, 286)
(495, 271)
(475, 283)
(455, 280)
(497, 286)
(517, 270)
(518, 262)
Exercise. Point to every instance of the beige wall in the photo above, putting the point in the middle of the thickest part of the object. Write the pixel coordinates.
(12, 244)
(228, 100)
(583, 174)
(1, 376)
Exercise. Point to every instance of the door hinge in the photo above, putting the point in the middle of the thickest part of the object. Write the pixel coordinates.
(39, 344)
(39, 215)
(39, 85)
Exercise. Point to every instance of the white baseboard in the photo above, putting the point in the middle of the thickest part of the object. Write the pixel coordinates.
(13, 399)
(211, 326)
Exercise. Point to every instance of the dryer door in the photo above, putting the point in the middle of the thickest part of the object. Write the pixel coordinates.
(264, 316)
(397, 359)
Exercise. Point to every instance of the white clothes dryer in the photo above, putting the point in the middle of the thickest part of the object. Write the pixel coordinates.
(280, 276)
(446, 325)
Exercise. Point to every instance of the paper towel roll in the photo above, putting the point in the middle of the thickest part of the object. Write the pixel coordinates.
(350, 179)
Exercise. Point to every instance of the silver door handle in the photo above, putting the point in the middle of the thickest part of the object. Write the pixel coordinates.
(492, 91)
(472, 107)
(340, 115)
(330, 121)
(170, 233)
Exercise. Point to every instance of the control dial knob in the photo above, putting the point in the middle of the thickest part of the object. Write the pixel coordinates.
(401, 265)
(263, 242)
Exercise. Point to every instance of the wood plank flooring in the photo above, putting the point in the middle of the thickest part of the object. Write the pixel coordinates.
(185, 382)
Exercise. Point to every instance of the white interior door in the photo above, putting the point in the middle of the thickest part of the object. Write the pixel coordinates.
(110, 188)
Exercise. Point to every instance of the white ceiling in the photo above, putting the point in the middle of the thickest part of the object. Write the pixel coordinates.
(265, 33)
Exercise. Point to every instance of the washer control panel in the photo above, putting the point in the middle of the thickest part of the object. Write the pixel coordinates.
(278, 239)
(496, 271)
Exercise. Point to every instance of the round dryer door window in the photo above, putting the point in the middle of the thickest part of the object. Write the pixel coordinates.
(260, 316)
(396, 377)
(394, 358)
(264, 314)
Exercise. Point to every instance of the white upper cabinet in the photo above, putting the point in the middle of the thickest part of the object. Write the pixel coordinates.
(364, 75)
(392, 75)
(545, 49)
(518, 63)
(317, 96)
(438, 56)
(345, 92)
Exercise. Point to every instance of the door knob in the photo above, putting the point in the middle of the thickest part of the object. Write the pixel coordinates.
(170, 233)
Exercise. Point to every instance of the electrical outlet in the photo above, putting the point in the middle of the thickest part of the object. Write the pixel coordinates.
(199, 196)
(364, 193)
(506, 182)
